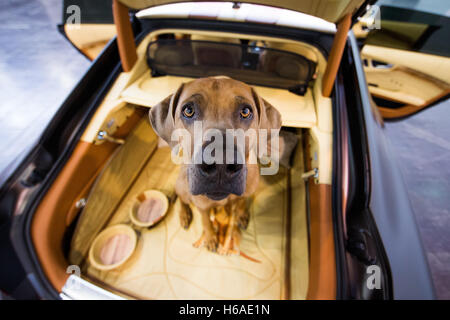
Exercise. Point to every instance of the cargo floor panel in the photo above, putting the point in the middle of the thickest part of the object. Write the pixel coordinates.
(165, 265)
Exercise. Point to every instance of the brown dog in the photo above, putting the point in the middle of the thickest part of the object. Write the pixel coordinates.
(220, 104)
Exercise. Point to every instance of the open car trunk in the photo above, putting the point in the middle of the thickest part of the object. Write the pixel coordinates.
(164, 264)
(287, 251)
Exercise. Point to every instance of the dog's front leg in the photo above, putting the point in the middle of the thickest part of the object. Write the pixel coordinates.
(209, 236)
(185, 215)
(183, 196)
(242, 214)
(230, 245)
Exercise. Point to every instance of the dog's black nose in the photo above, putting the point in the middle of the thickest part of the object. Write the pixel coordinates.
(207, 169)
(225, 170)
(218, 175)
(233, 168)
(226, 165)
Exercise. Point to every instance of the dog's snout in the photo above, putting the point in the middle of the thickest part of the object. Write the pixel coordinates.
(218, 173)
(234, 168)
(226, 170)
(225, 165)
(208, 169)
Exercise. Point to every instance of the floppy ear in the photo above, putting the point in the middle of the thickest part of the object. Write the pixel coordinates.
(269, 117)
(162, 115)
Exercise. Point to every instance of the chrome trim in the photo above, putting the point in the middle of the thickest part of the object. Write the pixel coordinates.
(103, 135)
(77, 288)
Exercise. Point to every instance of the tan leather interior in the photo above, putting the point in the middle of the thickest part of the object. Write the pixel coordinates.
(412, 79)
(360, 30)
(165, 265)
(111, 186)
(330, 10)
(294, 274)
(49, 221)
(90, 39)
(137, 87)
(407, 110)
(403, 85)
(56, 208)
(431, 65)
(296, 111)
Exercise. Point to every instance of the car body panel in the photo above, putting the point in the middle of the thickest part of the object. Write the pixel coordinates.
(390, 206)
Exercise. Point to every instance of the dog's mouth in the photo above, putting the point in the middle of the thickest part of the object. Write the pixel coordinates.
(216, 196)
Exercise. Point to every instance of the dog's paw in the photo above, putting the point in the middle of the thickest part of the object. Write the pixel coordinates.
(210, 242)
(185, 216)
(231, 244)
(200, 242)
(243, 219)
(227, 251)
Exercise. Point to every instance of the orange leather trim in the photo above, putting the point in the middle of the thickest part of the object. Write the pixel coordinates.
(322, 258)
(125, 37)
(388, 113)
(322, 263)
(288, 245)
(73, 211)
(334, 59)
(49, 220)
(120, 133)
(75, 179)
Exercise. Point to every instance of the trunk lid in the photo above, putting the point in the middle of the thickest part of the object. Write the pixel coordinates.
(329, 10)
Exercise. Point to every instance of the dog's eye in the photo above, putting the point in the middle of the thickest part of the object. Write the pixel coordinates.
(188, 110)
(246, 112)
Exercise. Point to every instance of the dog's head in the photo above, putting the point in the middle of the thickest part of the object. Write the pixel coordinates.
(215, 104)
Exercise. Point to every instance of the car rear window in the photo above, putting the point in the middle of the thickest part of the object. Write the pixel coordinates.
(252, 64)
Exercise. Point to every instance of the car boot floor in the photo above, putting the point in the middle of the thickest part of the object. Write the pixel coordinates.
(166, 265)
